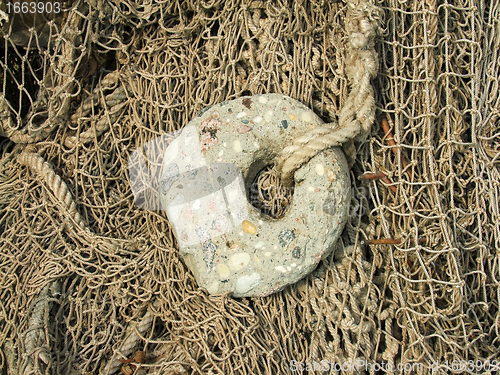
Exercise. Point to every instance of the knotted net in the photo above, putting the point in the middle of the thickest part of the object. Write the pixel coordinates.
(87, 278)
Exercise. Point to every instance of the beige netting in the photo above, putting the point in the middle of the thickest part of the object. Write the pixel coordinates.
(87, 278)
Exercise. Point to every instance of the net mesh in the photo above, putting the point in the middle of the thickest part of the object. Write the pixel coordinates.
(87, 278)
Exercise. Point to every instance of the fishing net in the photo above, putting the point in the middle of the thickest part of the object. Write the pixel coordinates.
(88, 279)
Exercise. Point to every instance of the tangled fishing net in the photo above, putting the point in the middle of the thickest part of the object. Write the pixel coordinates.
(89, 280)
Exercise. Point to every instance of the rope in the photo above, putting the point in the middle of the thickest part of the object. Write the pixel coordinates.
(58, 187)
(134, 336)
(114, 104)
(358, 113)
(34, 337)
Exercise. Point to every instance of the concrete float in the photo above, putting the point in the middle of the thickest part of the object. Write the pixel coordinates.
(228, 244)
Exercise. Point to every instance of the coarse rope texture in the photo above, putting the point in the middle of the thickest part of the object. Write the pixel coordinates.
(87, 278)
(358, 112)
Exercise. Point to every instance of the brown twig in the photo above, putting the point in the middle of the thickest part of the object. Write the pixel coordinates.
(390, 139)
(138, 357)
(372, 176)
(379, 176)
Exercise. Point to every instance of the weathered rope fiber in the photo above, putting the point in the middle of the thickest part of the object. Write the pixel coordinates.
(358, 112)
(38, 165)
(34, 337)
(135, 332)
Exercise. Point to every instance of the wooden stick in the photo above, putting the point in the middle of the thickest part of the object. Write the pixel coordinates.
(372, 176)
(379, 176)
(390, 139)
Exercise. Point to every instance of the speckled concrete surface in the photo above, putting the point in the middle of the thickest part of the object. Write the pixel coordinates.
(226, 242)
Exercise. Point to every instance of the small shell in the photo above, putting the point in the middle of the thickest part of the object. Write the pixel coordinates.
(248, 227)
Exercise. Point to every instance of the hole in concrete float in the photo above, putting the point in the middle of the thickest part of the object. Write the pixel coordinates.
(266, 193)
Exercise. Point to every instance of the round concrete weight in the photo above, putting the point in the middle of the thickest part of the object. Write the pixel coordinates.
(229, 245)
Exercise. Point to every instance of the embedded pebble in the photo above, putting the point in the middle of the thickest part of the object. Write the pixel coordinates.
(242, 129)
(285, 237)
(247, 282)
(213, 288)
(227, 243)
(320, 170)
(268, 116)
(238, 261)
(257, 260)
(223, 271)
(237, 146)
(247, 102)
(331, 175)
(259, 244)
(329, 204)
(248, 227)
(307, 116)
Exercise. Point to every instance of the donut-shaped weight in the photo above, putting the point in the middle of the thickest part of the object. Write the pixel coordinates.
(228, 244)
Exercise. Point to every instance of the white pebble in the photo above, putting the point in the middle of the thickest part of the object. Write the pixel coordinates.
(257, 260)
(197, 204)
(238, 261)
(268, 116)
(280, 268)
(247, 282)
(257, 119)
(213, 288)
(262, 99)
(256, 145)
(267, 254)
(237, 146)
(289, 269)
(221, 153)
(260, 244)
(223, 271)
(307, 116)
(320, 170)
(241, 114)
